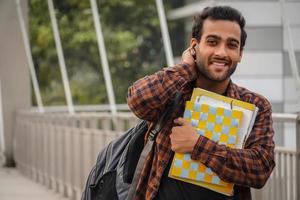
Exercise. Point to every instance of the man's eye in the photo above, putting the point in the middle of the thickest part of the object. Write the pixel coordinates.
(233, 45)
(211, 42)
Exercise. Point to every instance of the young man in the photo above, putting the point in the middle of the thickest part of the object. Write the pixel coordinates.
(215, 50)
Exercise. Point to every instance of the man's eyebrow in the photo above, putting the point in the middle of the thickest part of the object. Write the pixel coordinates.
(230, 39)
(213, 36)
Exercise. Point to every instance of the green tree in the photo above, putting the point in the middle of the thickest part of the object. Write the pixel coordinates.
(132, 39)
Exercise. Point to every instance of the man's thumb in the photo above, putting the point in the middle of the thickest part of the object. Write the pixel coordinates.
(181, 121)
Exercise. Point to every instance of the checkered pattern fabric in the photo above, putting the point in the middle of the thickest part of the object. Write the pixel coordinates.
(147, 98)
(216, 123)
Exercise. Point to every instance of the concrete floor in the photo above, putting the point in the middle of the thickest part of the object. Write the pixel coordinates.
(15, 186)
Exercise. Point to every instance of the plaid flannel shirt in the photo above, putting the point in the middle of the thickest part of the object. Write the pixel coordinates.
(248, 167)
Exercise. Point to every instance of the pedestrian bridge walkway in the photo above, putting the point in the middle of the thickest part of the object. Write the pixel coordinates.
(58, 150)
(15, 186)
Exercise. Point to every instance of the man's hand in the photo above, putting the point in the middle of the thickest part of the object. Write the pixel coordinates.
(183, 137)
(187, 57)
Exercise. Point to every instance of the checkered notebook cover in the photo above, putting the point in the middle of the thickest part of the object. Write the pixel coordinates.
(216, 123)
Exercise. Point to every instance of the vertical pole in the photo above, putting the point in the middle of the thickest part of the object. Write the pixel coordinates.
(297, 157)
(291, 49)
(165, 32)
(2, 142)
(61, 58)
(294, 67)
(29, 58)
(104, 61)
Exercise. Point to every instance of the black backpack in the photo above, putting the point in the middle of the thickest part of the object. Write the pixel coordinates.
(114, 176)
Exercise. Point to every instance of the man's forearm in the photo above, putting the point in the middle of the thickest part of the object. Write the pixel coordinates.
(250, 166)
(247, 167)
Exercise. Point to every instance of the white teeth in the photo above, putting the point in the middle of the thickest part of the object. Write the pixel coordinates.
(219, 64)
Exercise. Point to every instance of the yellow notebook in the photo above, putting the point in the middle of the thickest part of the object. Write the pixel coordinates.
(222, 119)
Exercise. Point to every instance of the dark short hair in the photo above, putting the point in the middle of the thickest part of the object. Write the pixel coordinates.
(219, 13)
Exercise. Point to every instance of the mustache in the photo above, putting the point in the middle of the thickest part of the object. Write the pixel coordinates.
(219, 59)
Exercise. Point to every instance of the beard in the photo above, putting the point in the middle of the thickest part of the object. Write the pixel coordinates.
(209, 74)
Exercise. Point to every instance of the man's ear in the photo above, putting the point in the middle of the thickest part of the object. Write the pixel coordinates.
(193, 42)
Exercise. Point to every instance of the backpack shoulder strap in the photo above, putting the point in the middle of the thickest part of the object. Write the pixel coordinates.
(148, 147)
(171, 107)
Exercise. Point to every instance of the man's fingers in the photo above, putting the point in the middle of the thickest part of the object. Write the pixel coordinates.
(187, 57)
(181, 122)
(187, 51)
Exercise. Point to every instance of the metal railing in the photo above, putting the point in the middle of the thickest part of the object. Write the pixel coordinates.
(58, 150)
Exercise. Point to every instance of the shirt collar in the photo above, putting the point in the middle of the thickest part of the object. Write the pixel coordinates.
(232, 91)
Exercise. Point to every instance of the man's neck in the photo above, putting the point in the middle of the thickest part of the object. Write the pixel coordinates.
(213, 86)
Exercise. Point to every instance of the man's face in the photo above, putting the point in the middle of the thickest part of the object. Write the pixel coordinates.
(218, 52)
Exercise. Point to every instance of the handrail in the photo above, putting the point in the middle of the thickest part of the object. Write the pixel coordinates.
(85, 111)
(286, 150)
(285, 117)
(83, 108)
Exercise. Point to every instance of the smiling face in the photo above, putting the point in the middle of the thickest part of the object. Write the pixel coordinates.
(218, 51)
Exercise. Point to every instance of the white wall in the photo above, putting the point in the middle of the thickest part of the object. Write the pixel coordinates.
(261, 72)
(14, 74)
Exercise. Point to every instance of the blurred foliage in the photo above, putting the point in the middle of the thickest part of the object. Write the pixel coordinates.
(132, 38)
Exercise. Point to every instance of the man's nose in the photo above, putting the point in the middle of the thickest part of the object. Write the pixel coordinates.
(221, 51)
